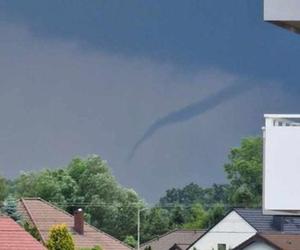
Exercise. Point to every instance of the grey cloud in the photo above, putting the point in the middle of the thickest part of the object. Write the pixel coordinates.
(58, 100)
(192, 110)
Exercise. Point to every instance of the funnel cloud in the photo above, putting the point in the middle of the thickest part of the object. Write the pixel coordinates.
(191, 111)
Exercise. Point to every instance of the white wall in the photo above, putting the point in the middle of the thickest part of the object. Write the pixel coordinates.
(232, 231)
(259, 246)
(281, 10)
(281, 167)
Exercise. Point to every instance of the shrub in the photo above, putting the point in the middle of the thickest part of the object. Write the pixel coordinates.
(93, 248)
(60, 238)
(130, 241)
(32, 230)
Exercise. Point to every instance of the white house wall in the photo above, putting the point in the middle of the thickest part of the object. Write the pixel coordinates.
(281, 165)
(259, 246)
(285, 10)
(232, 231)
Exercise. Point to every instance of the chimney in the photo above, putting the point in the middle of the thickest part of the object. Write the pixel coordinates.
(79, 221)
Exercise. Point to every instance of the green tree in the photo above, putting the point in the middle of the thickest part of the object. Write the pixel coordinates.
(52, 185)
(93, 248)
(197, 217)
(215, 214)
(130, 241)
(218, 193)
(10, 208)
(177, 216)
(24, 185)
(193, 193)
(189, 194)
(3, 188)
(109, 206)
(155, 222)
(244, 172)
(112, 208)
(60, 238)
(244, 197)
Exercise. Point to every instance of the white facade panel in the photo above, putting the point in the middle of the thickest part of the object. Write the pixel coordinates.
(281, 165)
(282, 10)
(259, 246)
(282, 168)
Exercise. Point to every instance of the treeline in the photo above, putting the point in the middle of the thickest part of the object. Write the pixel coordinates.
(196, 207)
(88, 184)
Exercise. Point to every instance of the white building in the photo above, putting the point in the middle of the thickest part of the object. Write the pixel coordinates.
(231, 231)
(240, 225)
(285, 13)
(271, 242)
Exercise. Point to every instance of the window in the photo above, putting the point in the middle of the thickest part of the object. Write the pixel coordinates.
(221, 246)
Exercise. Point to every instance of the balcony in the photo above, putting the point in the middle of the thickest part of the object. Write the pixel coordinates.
(284, 13)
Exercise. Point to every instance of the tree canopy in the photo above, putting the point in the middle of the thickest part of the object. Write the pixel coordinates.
(198, 207)
(244, 172)
(89, 184)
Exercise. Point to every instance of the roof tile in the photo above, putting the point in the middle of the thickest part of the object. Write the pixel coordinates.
(265, 223)
(13, 237)
(44, 215)
(182, 238)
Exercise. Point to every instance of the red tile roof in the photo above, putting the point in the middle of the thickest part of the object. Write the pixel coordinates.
(14, 237)
(44, 215)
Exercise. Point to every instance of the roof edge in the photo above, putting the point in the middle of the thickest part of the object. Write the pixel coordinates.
(236, 210)
(170, 232)
(32, 220)
(252, 240)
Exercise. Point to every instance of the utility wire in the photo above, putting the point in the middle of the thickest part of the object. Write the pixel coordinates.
(137, 204)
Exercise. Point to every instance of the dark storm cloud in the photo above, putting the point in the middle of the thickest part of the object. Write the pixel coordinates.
(58, 100)
(80, 77)
(227, 34)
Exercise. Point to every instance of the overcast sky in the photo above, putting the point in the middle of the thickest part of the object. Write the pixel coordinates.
(160, 89)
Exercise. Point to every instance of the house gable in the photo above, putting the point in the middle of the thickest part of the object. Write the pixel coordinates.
(257, 242)
(232, 230)
(259, 245)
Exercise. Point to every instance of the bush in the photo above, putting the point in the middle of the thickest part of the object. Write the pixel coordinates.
(32, 230)
(93, 248)
(60, 238)
(130, 241)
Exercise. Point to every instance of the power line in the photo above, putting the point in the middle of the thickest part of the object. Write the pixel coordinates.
(137, 204)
